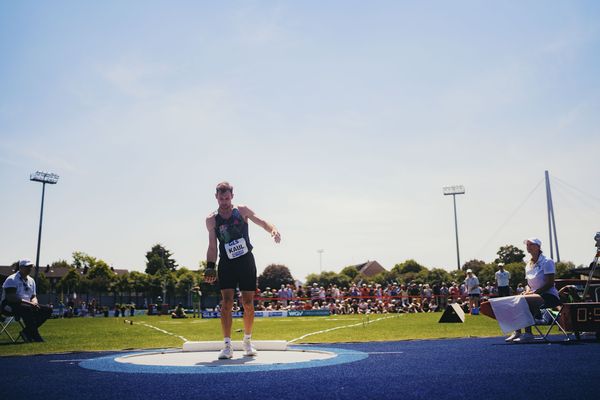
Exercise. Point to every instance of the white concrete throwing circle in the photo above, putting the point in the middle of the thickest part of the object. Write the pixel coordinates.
(207, 362)
(209, 358)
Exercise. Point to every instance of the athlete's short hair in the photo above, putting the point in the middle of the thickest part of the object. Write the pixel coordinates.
(224, 187)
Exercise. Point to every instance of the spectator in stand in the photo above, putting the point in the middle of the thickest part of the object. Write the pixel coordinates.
(463, 291)
(425, 306)
(415, 306)
(322, 296)
(472, 285)
(282, 295)
(427, 292)
(394, 291)
(364, 291)
(378, 292)
(300, 293)
(354, 306)
(436, 293)
(444, 292)
(520, 289)
(502, 281)
(404, 295)
(454, 292)
(179, 312)
(267, 295)
(433, 307)
(463, 305)
(413, 292)
(363, 306)
(314, 292)
(354, 291)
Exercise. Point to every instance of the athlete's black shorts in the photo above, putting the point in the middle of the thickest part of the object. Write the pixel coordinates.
(237, 273)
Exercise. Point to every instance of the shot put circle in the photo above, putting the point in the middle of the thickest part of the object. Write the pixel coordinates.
(206, 362)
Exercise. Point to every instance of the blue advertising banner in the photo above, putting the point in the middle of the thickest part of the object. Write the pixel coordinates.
(239, 314)
(308, 313)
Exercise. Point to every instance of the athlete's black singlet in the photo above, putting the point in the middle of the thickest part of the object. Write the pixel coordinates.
(233, 235)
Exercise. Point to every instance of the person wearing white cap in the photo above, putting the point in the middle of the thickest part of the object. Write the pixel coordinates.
(19, 298)
(473, 290)
(540, 290)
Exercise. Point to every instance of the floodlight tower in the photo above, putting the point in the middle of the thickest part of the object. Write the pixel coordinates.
(454, 190)
(43, 177)
(320, 251)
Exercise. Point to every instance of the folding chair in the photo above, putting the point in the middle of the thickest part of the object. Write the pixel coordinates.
(550, 318)
(5, 321)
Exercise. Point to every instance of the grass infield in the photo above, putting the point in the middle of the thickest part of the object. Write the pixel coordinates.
(148, 332)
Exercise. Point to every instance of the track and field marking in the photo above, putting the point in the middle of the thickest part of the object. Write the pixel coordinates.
(163, 331)
(363, 323)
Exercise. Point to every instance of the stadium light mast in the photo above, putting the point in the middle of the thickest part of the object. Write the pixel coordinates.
(320, 251)
(52, 179)
(454, 190)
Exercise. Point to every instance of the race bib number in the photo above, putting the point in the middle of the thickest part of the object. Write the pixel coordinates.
(236, 248)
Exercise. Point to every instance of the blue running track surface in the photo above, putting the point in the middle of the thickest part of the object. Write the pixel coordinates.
(482, 369)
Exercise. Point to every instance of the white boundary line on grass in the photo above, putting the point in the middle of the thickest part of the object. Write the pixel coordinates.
(339, 327)
(163, 331)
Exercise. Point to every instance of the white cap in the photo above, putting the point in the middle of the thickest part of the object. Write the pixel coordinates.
(469, 270)
(533, 240)
(25, 263)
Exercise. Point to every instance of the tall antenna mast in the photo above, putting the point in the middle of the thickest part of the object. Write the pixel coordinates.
(551, 221)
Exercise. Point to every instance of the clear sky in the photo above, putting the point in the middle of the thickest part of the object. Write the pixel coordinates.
(338, 121)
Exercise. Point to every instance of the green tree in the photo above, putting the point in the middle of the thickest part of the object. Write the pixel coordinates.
(327, 278)
(563, 269)
(408, 266)
(60, 264)
(474, 265)
(122, 285)
(99, 278)
(274, 276)
(487, 274)
(42, 284)
(84, 261)
(139, 283)
(517, 273)
(159, 259)
(350, 271)
(438, 275)
(185, 282)
(509, 254)
(70, 283)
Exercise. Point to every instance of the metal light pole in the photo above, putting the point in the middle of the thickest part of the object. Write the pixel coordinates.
(320, 251)
(43, 177)
(454, 190)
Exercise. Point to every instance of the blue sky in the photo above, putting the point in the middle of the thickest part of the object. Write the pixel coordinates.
(340, 122)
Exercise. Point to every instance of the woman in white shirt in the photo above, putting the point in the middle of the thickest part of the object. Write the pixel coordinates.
(540, 290)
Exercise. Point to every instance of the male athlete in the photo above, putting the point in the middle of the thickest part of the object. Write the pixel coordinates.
(237, 269)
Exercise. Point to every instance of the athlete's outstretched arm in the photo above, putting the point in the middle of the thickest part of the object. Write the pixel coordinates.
(248, 213)
(211, 253)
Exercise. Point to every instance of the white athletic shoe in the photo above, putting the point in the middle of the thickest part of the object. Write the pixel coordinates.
(249, 350)
(512, 337)
(524, 338)
(226, 353)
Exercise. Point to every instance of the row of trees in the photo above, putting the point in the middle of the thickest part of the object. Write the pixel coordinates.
(164, 277)
(411, 271)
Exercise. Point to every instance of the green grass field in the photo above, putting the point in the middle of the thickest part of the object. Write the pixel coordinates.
(92, 334)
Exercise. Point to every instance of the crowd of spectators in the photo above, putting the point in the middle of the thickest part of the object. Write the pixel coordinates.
(366, 298)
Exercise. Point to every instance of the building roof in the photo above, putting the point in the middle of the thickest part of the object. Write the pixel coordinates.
(369, 268)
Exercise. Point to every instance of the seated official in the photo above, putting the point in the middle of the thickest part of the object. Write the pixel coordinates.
(179, 312)
(540, 291)
(19, 298)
